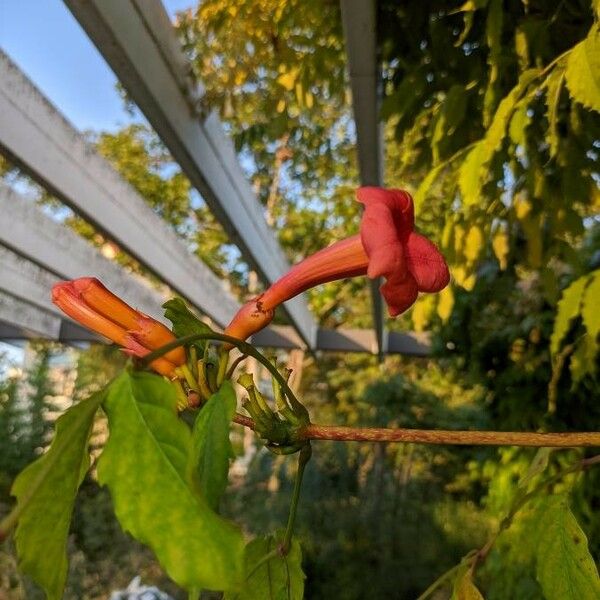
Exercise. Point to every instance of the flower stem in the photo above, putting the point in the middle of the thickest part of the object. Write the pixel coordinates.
(303, 458)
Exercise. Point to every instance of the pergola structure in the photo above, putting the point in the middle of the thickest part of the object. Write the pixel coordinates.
(140, 44)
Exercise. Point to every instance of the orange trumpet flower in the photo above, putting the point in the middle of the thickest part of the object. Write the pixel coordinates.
(89, 303)
(387, 246)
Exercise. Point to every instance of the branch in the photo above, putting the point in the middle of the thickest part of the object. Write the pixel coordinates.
(441, 436)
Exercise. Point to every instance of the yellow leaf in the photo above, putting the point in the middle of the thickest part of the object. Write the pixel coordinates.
(522, 207)
(423, 311)
(501, 247)
(473, 244)
(463, 277)
(445, 303)
(465, 589)
(281, 106)
(288, 79)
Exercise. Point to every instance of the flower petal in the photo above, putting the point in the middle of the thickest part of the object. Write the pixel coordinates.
(426, 264)
(399, 203)
(400, 293)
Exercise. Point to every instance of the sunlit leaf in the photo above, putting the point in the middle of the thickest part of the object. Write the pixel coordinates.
(590, 312)
(464, 588)
(501, 247)
(565, 567)
(45, 493)
(144, 466)
(423, 311)
(568, 308)
(279, 578)
(445, 303)
(208, 464)
(474, 243)
(554, 88)
(583, 70)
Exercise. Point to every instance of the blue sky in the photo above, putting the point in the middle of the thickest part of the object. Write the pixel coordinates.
(47, 43)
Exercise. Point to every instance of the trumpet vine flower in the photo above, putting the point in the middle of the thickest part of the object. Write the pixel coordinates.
(89, 303)
(387, 247)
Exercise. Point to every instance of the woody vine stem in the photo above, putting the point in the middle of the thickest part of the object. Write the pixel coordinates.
(375, 434)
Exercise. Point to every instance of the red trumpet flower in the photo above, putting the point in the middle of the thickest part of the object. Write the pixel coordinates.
(387, 246)
(88, 302)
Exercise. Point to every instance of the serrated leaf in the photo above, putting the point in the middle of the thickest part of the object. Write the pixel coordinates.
(208, 463)
(554, 87)
(518, 124)
(144, 466)
(569, 306)
(583, 71)
(449, 117)
(471, 174)
(185, 322)
(464, 588)
(45, 493)
(582, 360)
(280, 578)
(590, 313)
(565, 569)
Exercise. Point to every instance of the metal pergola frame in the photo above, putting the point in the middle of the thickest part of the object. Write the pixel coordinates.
(139, 43)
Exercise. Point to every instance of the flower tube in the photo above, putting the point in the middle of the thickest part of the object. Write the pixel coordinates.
(387, 247)
(89, 303)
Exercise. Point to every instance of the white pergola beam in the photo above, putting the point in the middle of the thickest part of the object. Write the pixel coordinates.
(39, 139)
(360, 28)
(140, 44)
(30, 233)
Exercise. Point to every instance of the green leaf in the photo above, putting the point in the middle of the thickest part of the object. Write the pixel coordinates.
(569, 306)
(279, 578)
(449, 117)
(538, 465)
(553, 90)
(144, 466)
(472, 173)
(582, 360)
(208, 463)
(589, 311)
(565, 569)
(583, 71)
(464, 588)
(45, 493)
(185, 322)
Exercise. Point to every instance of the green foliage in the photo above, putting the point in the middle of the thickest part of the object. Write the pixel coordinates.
(144, 465)
(565, 568)
(579, 301)
(271, 575)
(45, 493)
(464, 588)
(184, 321)
(583, 71)
(211, 451)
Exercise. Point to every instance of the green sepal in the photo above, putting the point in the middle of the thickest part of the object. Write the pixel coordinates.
(185, 322)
